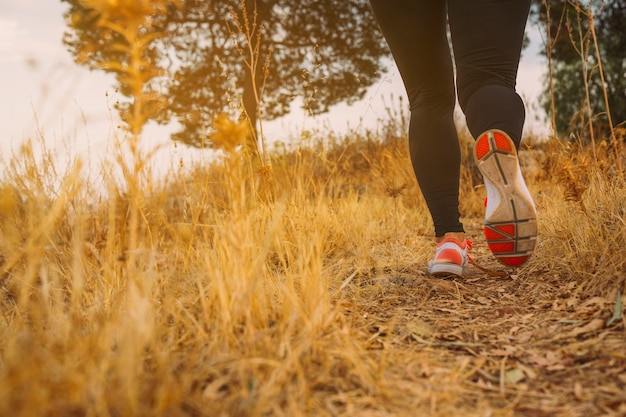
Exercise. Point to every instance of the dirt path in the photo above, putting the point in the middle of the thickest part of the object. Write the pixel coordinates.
(486, 345)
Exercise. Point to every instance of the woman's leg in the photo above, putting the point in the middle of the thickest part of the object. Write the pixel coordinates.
(415, 31)
(487, 37)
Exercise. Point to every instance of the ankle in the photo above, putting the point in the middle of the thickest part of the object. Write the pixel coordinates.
(460, 236)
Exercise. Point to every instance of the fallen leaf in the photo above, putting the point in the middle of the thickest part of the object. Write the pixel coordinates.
(524, 337)
(506, 350)
(617, 309)
(571, 302)
(592, 326)
(420, 329)
(484, 301)
(530, 374)
(426, 369)
(557, 367)
(594, 301)
(514, 376)
(550, 360)
(578, 391)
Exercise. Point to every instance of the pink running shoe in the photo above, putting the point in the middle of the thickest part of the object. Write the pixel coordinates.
(451, 258)
(511, 218)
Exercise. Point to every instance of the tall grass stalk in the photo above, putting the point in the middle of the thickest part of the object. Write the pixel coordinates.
(550, 42)
(251, 306)
(617, 146)
(245, 306)
(251, 29)
(582, 47)
(133, 23)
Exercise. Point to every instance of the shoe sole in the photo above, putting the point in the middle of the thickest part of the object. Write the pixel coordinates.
(442, 270)
(510, 225)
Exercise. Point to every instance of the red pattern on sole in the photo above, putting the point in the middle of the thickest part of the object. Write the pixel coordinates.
(513, 261)
(509, 229)
(482, 147)
(501, 247)
(495, 155)
(502, 142)
(493, 235)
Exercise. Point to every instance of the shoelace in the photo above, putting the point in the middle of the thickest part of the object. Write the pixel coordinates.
(490, 272)
(468, 246)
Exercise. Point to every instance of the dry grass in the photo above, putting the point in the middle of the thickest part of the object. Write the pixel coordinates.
(298, 286)
(302, 291)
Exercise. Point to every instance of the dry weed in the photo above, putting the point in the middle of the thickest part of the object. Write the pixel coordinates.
(312, 303)
(301, 289)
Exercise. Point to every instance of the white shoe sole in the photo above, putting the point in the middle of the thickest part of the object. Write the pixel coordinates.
(511, 218)
(446, 269)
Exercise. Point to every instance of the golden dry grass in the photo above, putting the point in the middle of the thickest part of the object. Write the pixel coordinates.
(302, 291)
(298, 288)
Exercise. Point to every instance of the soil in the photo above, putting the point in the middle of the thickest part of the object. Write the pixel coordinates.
(495, 343)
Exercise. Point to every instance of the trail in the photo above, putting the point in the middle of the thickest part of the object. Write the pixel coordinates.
(484, 345)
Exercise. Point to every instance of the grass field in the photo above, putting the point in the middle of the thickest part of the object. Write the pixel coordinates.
(301, 291)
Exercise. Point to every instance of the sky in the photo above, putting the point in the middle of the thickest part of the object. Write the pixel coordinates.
(68, 109)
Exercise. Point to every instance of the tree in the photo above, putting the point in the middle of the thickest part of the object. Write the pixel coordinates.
(262, 54)
(583, 79)
(121, 38)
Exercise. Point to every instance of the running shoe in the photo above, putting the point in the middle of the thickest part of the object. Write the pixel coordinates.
(451, 258)
(510, 218)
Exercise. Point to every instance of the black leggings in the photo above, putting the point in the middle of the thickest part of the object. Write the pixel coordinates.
(487, 38)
